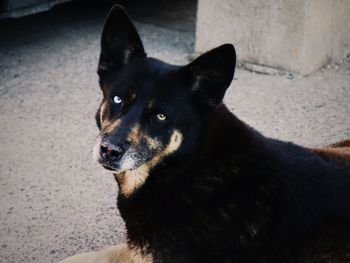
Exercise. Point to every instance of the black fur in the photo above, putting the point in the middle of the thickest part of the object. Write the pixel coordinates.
(228, 194)
(242, 198)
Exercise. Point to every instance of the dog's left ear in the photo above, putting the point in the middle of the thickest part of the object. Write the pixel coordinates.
(211, 74)
(120, 43)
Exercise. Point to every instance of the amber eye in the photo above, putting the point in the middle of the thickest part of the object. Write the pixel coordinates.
(117, 100)
(161, 117)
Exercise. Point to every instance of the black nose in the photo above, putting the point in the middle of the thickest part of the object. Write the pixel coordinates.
(110, 152)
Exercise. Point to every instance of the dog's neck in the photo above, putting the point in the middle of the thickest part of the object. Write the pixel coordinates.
(199, 182)
(238, 175)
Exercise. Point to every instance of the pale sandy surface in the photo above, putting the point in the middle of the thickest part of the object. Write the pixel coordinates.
(55, 201)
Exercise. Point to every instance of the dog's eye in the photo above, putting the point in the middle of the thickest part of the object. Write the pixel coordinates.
(117, 100)
(161, 117)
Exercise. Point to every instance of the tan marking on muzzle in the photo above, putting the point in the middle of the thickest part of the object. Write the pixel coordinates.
(152, 143)
(135, 135)
(174, 144)
(103, 108)
(131, 180)
(111, 126)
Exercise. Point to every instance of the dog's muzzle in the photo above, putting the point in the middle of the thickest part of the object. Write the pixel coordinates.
(110, 155)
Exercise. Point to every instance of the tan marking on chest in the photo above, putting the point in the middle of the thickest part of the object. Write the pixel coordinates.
(131, 180)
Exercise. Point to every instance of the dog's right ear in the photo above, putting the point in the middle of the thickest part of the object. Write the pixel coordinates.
(211, 74)
(120, 43)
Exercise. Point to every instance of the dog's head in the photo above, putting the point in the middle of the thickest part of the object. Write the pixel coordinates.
(152, 110)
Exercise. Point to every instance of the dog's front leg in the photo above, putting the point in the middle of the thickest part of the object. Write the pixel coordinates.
(114, 254)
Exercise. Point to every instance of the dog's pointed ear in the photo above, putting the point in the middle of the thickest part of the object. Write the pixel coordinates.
(211, 74)
(120, 43)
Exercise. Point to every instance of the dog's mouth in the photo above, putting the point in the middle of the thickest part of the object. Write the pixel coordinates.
(117, 168)
(108, 167)
(126, 162)
(111, 166)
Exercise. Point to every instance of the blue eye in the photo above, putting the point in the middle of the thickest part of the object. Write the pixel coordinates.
(117, 100)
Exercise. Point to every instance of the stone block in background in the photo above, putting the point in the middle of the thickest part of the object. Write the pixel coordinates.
(299, 36)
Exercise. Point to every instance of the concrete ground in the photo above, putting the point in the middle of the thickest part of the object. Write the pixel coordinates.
(55, 201)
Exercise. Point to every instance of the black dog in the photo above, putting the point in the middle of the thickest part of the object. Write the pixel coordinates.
(196, 183)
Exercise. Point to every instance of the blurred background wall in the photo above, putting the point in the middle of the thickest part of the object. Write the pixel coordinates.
(299, 36)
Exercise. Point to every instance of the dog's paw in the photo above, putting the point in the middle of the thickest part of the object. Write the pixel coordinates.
(89, 257)
(114, 254)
